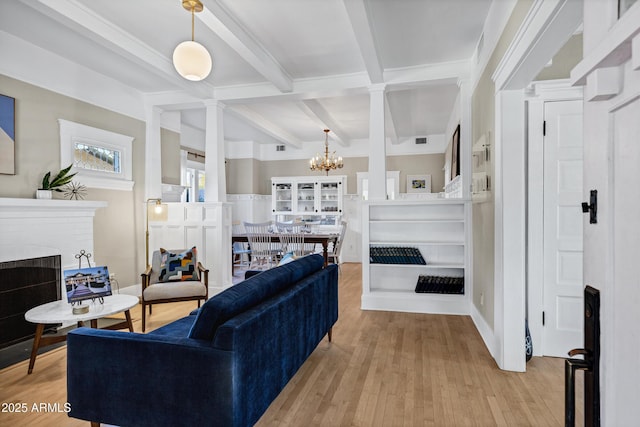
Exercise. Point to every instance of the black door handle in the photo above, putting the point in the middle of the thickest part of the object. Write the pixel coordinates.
(592, 207)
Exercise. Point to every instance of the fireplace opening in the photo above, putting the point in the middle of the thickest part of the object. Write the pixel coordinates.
(25, 284)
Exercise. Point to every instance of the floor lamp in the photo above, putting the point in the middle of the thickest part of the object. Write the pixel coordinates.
(158, 213)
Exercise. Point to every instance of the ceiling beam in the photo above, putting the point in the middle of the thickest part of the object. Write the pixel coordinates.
(228, 28)
(260, 123)
(419, 75)
(80, 18)
(322, 118)
(361, 25)
(347, 84)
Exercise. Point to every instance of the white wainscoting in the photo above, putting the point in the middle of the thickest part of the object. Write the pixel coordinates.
(250, 207)
(204, 225)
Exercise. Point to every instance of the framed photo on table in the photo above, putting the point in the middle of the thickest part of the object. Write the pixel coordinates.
(418, 183)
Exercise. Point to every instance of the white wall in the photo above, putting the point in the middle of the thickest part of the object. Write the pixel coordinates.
(611, 157)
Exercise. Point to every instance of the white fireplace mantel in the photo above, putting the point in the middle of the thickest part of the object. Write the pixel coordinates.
(31, 228)
(17, 208)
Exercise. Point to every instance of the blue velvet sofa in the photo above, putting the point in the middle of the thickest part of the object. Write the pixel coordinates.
(222, 365)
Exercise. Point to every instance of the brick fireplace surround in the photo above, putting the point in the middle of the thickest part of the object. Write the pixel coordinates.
(34, 230)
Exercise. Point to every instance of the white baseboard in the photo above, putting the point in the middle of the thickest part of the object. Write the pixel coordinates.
(134, 290)
(409, 302)
(484, 330)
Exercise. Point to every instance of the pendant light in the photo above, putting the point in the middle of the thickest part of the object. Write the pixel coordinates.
(192, 60)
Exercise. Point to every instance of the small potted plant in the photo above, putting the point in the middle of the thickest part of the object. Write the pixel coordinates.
(50, 185)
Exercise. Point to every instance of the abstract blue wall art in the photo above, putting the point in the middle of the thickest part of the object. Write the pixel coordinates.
(7, 135)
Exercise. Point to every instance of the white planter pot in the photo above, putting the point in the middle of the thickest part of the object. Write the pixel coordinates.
(44, 194)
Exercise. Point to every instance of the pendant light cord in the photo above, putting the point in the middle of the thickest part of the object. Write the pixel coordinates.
(193, 20)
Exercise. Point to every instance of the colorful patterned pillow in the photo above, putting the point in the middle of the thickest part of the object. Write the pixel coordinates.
(178, 267)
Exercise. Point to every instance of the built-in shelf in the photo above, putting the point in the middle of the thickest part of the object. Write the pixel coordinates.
(438, 229)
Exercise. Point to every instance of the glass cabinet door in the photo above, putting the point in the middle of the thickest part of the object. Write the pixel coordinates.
(283, 200)
(306, 197)
(330, 199)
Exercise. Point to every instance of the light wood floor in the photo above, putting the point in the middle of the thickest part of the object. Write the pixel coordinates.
(382, 369)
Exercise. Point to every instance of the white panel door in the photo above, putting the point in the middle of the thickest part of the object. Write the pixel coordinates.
(563, 284)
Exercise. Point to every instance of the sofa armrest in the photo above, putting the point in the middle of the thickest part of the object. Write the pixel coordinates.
(124, 378)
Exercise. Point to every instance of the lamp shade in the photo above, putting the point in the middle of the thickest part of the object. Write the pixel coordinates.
(192, 60)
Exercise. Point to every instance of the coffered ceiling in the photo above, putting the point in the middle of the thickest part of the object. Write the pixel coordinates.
(286, 69)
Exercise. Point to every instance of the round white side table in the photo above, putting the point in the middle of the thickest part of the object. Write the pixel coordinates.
(62, 312)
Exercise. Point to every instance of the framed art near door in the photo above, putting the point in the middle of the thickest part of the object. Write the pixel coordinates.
(7, 135)
(455, 153)
(418, 183)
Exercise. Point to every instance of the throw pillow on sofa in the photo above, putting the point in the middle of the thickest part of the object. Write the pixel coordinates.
(287, 258)
(178, 267)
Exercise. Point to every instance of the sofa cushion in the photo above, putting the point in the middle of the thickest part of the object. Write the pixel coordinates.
(159, 291)
(249, 293)
(178, 328)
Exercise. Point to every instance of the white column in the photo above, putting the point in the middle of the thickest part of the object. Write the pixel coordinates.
(152, 153)
(214, 167)
(510, 230)
(215, 193)
(465, 137)
(377, 144)
(183, 171)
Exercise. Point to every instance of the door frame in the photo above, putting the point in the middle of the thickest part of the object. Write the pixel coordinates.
(545, 91)
(545, 29)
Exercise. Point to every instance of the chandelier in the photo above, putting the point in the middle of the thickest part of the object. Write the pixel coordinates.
(192, 60)
(327, 163)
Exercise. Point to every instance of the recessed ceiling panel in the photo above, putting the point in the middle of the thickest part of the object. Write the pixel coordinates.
(307, 38)
(351, 113)
(163, 24)
(422, 111)
(416, 32)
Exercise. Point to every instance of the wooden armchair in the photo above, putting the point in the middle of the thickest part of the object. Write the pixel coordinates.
(174, 275)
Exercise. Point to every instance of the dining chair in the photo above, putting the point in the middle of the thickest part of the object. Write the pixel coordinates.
(334, 255)
(241, 253)
(291, 238)
(264, 253)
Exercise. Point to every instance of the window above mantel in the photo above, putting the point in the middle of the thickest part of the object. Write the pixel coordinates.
(101, 158)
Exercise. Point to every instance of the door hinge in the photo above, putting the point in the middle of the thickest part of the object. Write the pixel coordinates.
(544, 128)
(543, 318)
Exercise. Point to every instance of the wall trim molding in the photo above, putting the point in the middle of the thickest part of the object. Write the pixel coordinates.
(547, 26)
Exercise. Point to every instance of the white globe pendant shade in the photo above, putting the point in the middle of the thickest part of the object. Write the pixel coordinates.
(192, 60)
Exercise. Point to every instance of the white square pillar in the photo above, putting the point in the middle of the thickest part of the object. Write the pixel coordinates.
(377, 144)
(214, 163)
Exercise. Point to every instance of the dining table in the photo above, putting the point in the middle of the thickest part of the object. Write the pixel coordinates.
(322, 238)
